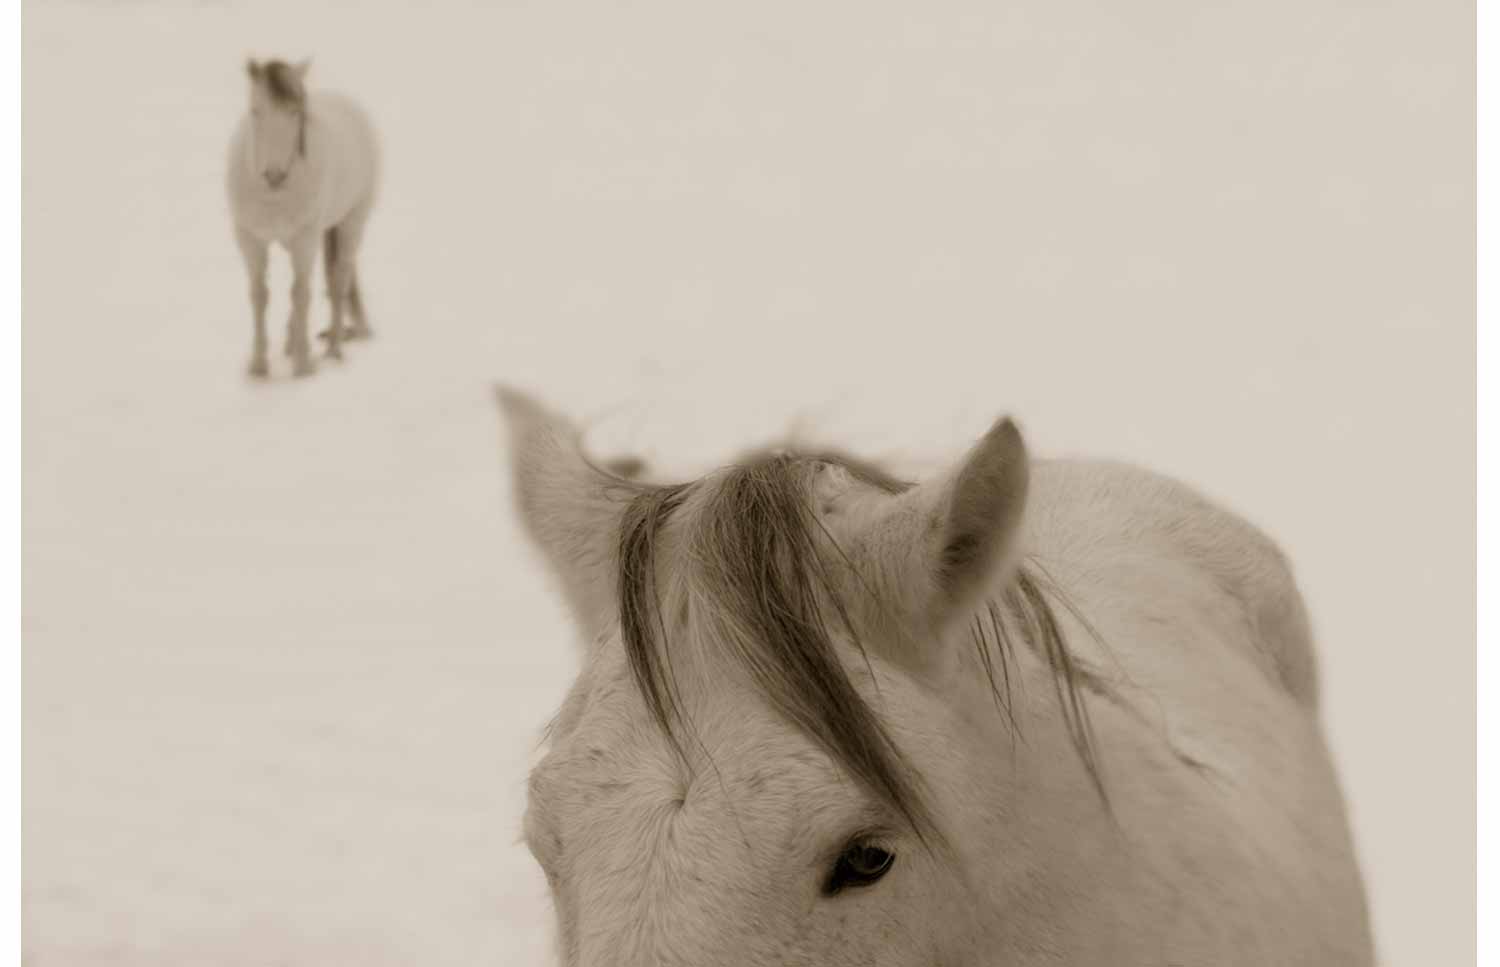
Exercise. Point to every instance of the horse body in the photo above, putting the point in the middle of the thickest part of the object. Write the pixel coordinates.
(701, 811)
(337, 176)
(1206, 705)
(303, 172)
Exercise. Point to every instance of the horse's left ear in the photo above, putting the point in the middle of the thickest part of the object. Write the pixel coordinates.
(942, 547)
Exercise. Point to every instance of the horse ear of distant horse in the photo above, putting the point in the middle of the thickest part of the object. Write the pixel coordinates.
(1025, 712)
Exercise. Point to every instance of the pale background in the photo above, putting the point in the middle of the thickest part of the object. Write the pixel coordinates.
(285, 655)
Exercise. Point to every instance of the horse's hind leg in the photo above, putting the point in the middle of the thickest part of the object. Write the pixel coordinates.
(361, 328)
(351, 233)
(337, 290)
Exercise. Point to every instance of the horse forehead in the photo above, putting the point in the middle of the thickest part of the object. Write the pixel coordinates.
(263, 98)
(754, 798)
(732, 738)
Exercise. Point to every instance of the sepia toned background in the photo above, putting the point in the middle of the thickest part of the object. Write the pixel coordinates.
(286, 656)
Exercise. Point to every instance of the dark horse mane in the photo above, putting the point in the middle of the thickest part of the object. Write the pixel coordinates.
(755, 548)
(284, 84)
(281, 81)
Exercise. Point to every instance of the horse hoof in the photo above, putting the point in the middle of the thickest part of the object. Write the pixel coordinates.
(259, 368)
(303, 368)
(334, 352)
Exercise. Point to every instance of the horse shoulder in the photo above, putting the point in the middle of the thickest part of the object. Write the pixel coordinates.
(346, 121)
(1116, 504)
(348, 143)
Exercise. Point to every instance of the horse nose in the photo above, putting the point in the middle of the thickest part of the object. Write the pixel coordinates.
(275, 176)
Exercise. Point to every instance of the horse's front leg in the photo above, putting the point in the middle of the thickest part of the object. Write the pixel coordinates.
(304, 250)
(256, 256)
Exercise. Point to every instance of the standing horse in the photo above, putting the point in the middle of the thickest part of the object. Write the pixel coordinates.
(302, 170)
(1016, 715)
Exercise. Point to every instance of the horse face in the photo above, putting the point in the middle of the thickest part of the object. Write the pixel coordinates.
(277, 120)
(779, 822)
(761, 854)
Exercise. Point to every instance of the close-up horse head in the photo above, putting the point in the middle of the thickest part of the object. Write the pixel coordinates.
(825, 716)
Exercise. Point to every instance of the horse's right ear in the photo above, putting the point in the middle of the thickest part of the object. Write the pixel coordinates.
(570, 509)
(938, 550)
(252, 68)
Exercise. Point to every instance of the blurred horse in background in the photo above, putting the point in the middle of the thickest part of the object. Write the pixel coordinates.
(303, 171)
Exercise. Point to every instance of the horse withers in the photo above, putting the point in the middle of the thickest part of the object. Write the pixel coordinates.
(1050, 713)
(303, 170)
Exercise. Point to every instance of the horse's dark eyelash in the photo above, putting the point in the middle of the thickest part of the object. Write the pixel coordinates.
(873, 836)
(878, 838)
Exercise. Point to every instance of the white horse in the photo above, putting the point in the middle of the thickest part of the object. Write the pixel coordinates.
(1053, 714)
(303, 169)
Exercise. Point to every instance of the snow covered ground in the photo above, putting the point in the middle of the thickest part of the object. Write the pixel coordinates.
(286, 658)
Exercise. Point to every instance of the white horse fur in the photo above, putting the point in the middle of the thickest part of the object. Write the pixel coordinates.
(1223, 840)
(303, 171)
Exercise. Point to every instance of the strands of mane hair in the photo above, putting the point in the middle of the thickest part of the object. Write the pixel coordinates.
(1037, 612)
(643, 629)
(762, 571)
(757, 559)
(641, 625)
(989, 626)
(763, 563)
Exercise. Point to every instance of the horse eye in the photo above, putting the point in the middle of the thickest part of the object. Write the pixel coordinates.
(860, 864)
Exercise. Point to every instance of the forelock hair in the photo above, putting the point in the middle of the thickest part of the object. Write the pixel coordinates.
(283, 84)
(759, 561)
